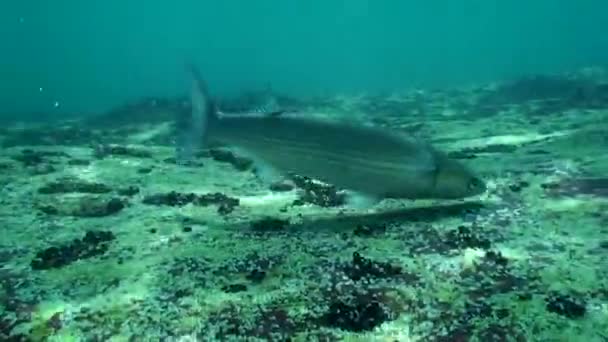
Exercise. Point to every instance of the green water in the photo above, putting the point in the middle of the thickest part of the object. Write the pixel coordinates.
(72, 56)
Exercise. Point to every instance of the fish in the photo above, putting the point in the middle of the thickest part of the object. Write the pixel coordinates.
(369, 163)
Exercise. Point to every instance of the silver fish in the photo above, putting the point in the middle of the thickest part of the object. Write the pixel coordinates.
(370, 162)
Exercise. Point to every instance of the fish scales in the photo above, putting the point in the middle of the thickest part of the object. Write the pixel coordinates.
(371, 161)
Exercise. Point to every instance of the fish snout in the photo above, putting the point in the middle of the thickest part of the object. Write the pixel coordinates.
(459, 183)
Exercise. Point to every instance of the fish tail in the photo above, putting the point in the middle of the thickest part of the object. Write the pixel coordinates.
(193, 126)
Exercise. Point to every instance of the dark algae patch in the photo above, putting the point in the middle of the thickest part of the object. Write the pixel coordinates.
(362, 267)
(102, 151)
(225, 203)
(566, 306)
(320, 194)
(87, 206)
(578, 186)
(94, 243)
(466, 237)
(70, 185)
(269, 224)
(30, 157)
(362, 315)
(226, 156)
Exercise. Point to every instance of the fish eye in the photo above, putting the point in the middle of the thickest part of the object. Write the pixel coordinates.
(475, 183)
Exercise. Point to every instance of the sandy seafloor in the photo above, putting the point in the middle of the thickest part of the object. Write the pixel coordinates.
(101, 241)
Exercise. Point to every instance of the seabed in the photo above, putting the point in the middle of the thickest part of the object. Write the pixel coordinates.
(106, 238)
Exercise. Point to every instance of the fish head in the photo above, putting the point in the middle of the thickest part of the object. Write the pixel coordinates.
(454, 180)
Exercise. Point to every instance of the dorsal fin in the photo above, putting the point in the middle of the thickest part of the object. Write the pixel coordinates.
(192, 127)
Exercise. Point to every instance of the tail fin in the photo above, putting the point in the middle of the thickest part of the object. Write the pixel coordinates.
(192, 127)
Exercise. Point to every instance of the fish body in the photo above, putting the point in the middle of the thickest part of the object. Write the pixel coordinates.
(369, 161)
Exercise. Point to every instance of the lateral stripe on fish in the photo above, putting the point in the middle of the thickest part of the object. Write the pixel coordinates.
(373, 162)
(306, 150)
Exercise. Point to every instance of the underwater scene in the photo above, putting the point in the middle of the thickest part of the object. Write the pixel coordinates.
(318, 171)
